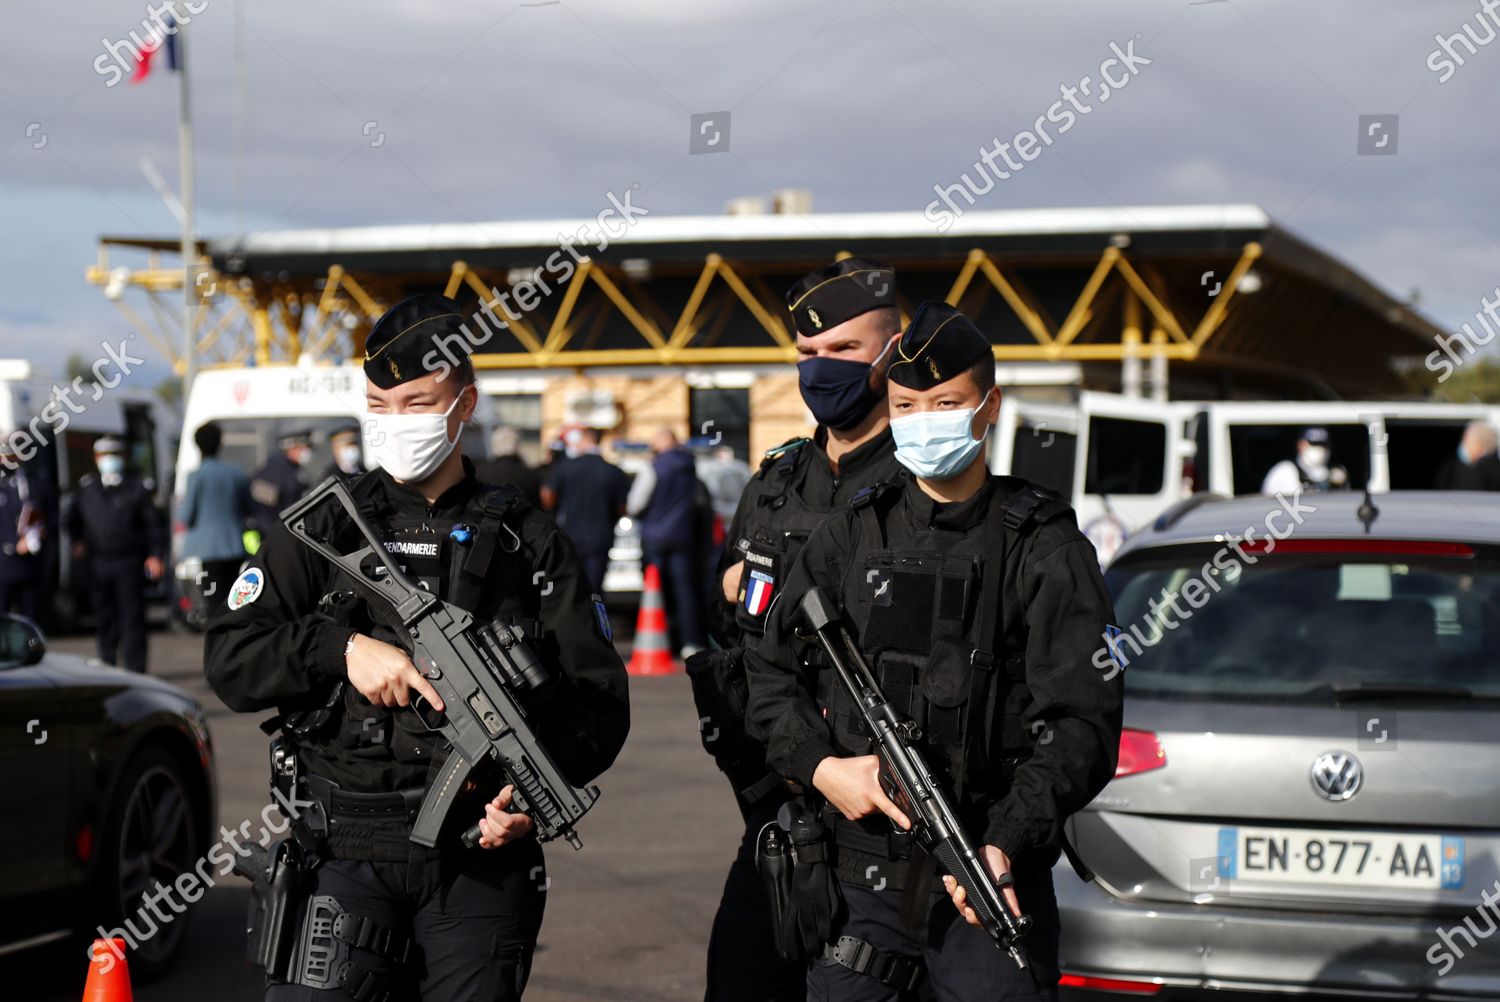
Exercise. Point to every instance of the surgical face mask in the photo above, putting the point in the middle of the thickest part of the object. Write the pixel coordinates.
(409, 446)
(111, 465)
(937, 445)
(348, 457)
(1315, 458)
(1463, 455)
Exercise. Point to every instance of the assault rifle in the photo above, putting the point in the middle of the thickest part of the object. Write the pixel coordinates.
(909, 782)
(479, 669)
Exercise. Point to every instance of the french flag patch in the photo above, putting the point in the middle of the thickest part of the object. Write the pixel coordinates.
(758, 592)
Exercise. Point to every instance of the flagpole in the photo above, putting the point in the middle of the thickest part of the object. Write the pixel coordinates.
(190, 299)
(239, 121)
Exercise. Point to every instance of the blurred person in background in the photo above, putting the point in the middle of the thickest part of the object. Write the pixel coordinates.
(115, 527)
(348, 458)
(1476, 467)
(215, 507)
(281, 481)
(1311, 469)
(668, 501)
(505, 466)
(25, 501)
(588, 494)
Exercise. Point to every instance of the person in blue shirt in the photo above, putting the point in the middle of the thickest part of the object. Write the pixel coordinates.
(665, 501)
(215, 509)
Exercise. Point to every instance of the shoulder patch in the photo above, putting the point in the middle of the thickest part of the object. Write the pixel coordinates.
(246, 588)
(264, 492)
(601, 619)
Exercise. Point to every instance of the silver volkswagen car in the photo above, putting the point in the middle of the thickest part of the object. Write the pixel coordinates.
(1307, 802)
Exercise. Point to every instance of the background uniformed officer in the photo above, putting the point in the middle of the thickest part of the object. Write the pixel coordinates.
(448, 924)
(980, 607)
(117, 528)
(348, 459)
(846, 319)
(280, 481)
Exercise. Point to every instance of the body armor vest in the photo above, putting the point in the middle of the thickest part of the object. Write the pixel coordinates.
(364, 747)
(944, 634)
(774, 533)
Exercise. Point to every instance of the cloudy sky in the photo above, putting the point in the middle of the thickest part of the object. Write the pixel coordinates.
(494, 110)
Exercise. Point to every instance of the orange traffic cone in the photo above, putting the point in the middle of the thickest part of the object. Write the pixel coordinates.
(109, 978)
(652, 654)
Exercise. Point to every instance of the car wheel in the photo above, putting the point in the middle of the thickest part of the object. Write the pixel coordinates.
(150, 841)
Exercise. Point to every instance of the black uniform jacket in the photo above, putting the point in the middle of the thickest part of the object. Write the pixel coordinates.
(116, 523)
(278, 649)
(817, 486)
(1056, 607)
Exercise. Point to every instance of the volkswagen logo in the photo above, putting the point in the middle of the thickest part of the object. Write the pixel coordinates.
(1337, 775)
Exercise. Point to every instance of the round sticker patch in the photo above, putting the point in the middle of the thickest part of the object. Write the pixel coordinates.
(246, 587)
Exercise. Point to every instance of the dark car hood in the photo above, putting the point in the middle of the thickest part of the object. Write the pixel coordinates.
(71, 670)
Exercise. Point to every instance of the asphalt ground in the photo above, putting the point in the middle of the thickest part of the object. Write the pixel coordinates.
(627, 917)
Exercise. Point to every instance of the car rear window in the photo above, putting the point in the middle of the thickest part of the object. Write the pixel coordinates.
(1297, 625)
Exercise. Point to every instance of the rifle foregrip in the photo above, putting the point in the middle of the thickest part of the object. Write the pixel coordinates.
(987, 901)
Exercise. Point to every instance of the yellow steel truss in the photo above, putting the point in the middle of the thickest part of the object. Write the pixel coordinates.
(241, 319)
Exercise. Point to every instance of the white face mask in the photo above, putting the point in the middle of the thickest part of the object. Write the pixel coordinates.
(936, 445)
(1315, 460)
(409, 446)
(349, 458)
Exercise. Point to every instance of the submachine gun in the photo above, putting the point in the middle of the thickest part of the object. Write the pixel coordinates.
(479, 669)
(909, 782)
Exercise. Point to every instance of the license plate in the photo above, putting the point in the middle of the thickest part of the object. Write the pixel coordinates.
(1341, 858)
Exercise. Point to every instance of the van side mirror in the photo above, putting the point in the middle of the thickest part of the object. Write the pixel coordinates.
(21, 642)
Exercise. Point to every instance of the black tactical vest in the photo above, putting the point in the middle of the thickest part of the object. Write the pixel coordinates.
(945, 636)
(775, 531)
(389, 749)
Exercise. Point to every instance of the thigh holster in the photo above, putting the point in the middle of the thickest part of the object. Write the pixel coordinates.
(324, 959)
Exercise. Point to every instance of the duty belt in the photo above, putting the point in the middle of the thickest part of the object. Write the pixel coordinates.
(341, 805)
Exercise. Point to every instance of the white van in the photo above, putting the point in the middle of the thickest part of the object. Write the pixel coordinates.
(1122, 461)
(54, 433)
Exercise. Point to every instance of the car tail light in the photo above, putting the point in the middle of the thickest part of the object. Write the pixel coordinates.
(1140, 751)
(83, 844)
(1125, 985)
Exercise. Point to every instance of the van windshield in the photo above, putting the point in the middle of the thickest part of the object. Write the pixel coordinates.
(1310, 626)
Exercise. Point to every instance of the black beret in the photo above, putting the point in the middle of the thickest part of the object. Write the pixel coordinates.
(939, 344)
(409, 332)
(297, 436)
(823, 299)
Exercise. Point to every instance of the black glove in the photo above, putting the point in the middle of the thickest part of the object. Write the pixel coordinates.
(815, 903)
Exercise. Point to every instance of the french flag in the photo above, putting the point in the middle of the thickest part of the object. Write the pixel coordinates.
(167, 38)
(758, 593)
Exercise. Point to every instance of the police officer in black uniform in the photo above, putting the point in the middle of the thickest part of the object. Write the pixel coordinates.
(983, 613)
(117, 529)
(447, 924)
(846, 320)
(26, 512)
(280, 481)
(348, 460)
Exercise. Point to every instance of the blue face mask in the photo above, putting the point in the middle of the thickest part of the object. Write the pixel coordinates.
(937, 445)
(837, 391)
(111, 465)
